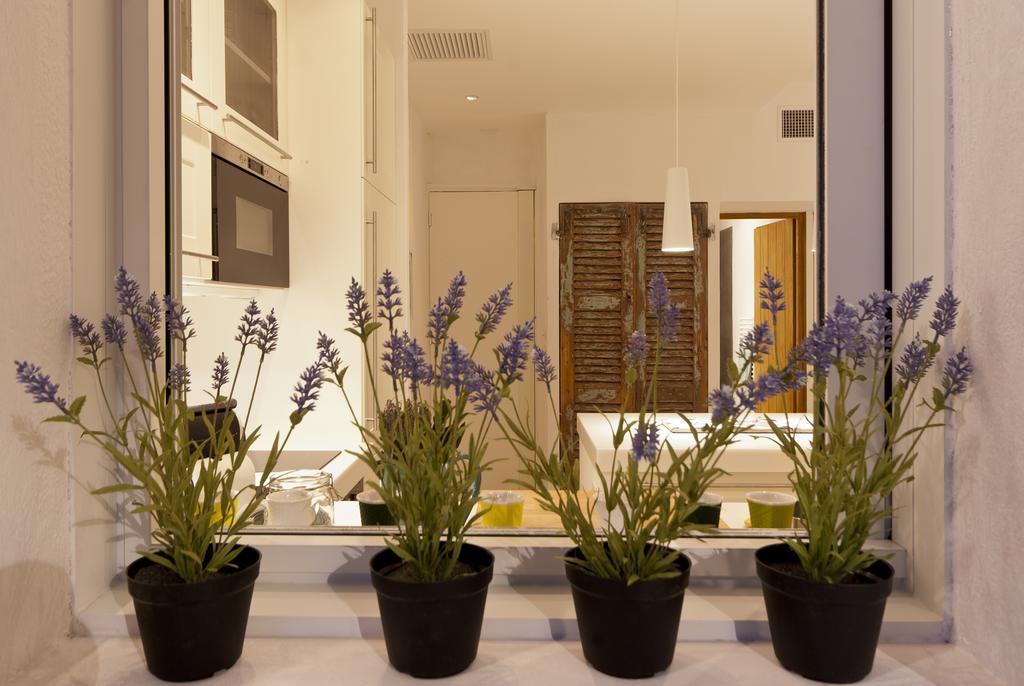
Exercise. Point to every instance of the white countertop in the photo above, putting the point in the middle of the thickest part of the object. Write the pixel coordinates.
(315, 662)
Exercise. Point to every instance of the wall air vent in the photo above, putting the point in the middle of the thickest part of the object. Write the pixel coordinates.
(795, 123)
(435, 46)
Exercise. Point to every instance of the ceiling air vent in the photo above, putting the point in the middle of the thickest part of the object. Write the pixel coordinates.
(433, 46)
(796, 123)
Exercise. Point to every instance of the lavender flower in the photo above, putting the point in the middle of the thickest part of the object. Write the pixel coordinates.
(358, 309)
(486, 396)
(722, 402)
(458, 371)
(307, 391)
(756, 342)
(147, 336)
(514, 352)
(876, 305)
(415, 365)
(766, 385)
(545, 369)
(908, 304)
(329, 357)
(645, 441)
(772, 295)
(394, 356)
(665, 311)
(179, 378)
(114, 331)
(179, 324)
(389, 304)
(249, 326)
(957, 374)
(636, 350)
(129, 295)
(839, 336)
(878, 334)
(437, 322)
(946, 307)
(221, 374)
(152, 311)
(455, 296)
(39, 385)
(914, 362)
(267, 333)
(493, 311)
(87, 336)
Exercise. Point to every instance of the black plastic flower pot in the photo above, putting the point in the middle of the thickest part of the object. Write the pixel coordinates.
(628, 631)
(432, 629)
(825, 632)
(192, 631)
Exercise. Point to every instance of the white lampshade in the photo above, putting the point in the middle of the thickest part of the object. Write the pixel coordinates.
(677, 225)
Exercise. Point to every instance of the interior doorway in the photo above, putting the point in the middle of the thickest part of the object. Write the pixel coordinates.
(752, 243)
(489, 236)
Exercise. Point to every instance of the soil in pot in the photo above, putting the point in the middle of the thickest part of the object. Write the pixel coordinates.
(192, 631)
(826, 632)
(432, 629)
(628, 631)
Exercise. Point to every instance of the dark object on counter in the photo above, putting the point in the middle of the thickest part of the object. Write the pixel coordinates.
(217, 414)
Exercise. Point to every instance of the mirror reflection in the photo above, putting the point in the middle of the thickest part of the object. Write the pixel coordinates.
(516, 141)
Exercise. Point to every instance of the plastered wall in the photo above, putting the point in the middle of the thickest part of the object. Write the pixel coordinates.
(987, 257)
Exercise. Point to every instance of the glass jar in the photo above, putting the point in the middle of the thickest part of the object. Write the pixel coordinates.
(320, 486)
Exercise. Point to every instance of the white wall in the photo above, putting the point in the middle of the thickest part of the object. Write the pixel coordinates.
(735, 159)
(987, 204)
(419, 238)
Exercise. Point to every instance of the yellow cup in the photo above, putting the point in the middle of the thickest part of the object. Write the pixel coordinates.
(771, 510)
(501, 509)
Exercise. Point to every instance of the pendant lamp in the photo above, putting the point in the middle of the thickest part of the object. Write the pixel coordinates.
(677, 224)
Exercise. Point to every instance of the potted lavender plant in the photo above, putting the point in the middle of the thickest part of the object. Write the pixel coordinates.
(193, 586)
(627, 581)
(431, 584)
(824, 593)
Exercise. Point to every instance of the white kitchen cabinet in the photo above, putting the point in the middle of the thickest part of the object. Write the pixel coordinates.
(196, 201)
(380, 100)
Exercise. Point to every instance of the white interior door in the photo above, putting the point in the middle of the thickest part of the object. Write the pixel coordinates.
(488, 235)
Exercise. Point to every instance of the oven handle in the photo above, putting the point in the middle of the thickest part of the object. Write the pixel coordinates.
(200, 255)
(373, 88)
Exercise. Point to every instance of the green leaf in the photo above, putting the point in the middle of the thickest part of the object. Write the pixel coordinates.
(116, 488)
(938, 399)
(76, 406)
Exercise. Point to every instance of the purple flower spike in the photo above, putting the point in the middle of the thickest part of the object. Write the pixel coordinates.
(249, 325)
(389, 304)
(39, 385)
(87, 336)
(722, 402)
(910, 301)
(772, 295)
(437, 322)
(493, 311)
(914, 362)
(358, 309)
(946, 307)
(876, 305)
(455, 296)
(114, 331)
(636, 350)
(147, 335)
(645, 442)
(514, 352)
(221, 373)
(545, 369)
(129, 295)
(307, 389)
(458, 371)
(267, 333)
(415, 365)
(394, 356)
(957, 374)
(756, 342)
(329, 357)
(179, 324)
(179, 378)
(487, 395)
(661, 306)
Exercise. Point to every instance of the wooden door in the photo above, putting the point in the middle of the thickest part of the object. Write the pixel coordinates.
(608, 251)
(777, 249)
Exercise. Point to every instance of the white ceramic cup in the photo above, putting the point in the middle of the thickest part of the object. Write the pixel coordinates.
(293, 507)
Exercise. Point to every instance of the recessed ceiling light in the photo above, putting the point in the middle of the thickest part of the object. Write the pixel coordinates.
(472, 98)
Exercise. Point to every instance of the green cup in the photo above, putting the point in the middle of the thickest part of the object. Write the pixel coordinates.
(771, 510)
(709, 510)
(372, 510)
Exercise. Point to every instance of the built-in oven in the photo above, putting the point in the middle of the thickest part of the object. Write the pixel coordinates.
(250, 218)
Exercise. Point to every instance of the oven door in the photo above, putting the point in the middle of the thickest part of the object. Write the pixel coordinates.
(250, 236)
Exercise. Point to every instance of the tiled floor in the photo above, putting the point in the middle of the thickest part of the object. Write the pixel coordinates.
(311, 662)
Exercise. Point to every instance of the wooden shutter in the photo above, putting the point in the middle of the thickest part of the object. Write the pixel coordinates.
(682, 372)
(596, 290)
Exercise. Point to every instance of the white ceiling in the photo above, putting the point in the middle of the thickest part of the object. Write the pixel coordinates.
(601, 55)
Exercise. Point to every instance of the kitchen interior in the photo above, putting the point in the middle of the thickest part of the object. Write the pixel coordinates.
(323, 140)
